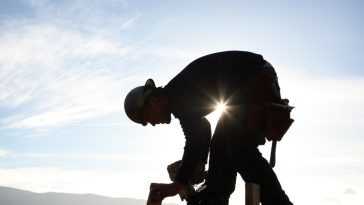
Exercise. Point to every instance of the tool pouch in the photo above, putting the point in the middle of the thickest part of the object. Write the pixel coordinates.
(278, 120)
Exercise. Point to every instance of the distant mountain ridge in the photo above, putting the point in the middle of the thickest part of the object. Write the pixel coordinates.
(12, 196)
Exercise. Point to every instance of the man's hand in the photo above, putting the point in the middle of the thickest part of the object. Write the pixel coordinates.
(160, 191)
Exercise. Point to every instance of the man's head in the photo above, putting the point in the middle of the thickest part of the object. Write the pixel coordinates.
(147, 104)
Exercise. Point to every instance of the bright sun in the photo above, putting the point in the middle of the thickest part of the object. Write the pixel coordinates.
(214, 116)
(220, 108)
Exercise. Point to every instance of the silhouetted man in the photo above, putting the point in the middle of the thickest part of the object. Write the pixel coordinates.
(245, 83)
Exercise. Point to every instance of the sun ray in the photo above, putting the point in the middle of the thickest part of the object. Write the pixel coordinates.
(213, 117)
(220, 108)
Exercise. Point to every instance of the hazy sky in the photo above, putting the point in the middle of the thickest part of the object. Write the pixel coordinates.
(66, 66)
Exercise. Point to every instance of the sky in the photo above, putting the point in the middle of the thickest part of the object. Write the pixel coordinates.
(66, 67)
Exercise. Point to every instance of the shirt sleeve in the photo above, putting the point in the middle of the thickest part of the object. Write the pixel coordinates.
(198, 135)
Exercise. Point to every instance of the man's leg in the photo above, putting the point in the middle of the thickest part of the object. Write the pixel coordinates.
(221, 176)
(252, 167)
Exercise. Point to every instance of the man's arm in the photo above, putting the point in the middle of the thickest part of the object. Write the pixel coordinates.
(198, 135)
(158, 192)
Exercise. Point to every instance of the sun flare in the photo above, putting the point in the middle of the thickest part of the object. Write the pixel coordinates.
(213, 117)
(220, 108)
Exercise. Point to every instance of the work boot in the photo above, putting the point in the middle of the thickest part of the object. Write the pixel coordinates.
(276, 199)
(206, 196)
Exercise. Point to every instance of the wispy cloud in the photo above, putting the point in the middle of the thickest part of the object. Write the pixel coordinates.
(54, 73)
(58, 76)
(350, 191)
(2, 152)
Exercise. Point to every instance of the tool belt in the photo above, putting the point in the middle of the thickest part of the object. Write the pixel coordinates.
(268, 114)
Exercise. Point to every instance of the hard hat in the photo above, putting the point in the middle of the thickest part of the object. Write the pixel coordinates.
(134, 101)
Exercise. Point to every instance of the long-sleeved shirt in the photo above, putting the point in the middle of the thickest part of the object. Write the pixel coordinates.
(196, 90)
